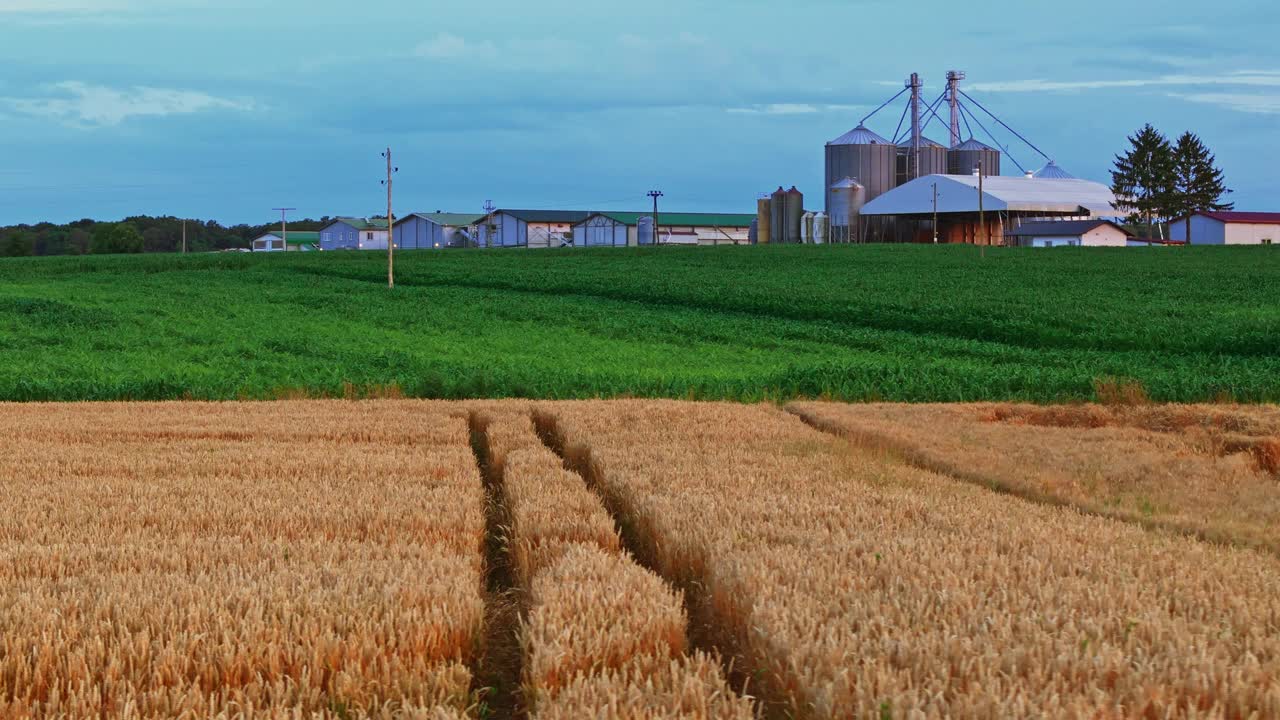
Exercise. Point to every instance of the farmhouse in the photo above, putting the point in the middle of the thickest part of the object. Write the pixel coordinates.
(1068, 233)
(429, 231)
(297, 241)
(632, 229)
(348, 233)
(1228, 228)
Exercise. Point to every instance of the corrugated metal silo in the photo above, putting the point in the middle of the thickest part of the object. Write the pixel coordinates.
(764, 220)
(864, 156)
(644, 230)
(806, 228)
(778, 212)
(795, 215)
(1053, 172)
(847, 198)
(933, 160)
(966, 156)
(819, 228)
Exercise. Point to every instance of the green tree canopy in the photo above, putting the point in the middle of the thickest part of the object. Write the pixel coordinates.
(1143, 178)
(1197, 181)
(118, 238)
(17, 244)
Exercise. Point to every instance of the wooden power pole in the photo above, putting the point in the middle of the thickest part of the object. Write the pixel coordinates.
(655, 194)
(391, 237)
(982, 217)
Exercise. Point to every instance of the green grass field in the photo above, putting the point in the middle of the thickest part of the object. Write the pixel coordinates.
(910, 323)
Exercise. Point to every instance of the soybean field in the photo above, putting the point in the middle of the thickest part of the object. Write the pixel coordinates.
(853, 323)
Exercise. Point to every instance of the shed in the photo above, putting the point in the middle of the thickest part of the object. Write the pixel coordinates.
(1069, 233)
(298, 241)
(529, 228)
(1228, 228)
(352, 233)
(622, 229)
(431, 231)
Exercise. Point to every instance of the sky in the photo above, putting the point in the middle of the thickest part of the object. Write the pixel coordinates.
(227, 109)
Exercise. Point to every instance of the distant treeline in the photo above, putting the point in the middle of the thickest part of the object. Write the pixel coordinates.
(139, 234)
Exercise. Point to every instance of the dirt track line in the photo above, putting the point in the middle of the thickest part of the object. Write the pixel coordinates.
(706, 632)
(913, 455)
(496, 680)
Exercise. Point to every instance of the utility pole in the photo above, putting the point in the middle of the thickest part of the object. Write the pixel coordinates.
(655, 194)
(982, 215)
(184, 236)
(935, 213)
(284, 228)
(391, 245)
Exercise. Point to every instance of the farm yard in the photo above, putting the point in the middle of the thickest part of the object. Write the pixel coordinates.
(852, 323)
(635, 559)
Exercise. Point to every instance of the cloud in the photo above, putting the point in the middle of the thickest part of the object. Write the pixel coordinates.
(446, 46)
(61, 6)
(1252, 78)
(792, 109)
(83, 105)
(1257, 103)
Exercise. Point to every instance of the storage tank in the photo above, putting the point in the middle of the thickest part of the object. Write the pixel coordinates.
(753, 233)
(795, 215)
(819, 228)
(644, 230)
(1053, 172)
(806, 228)
(933, 160)
(764, 220)
(864, 156)
(963, 158)
(847, 198)
(778, 216)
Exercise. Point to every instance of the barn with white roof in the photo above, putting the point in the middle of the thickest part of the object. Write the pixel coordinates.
(983, 210)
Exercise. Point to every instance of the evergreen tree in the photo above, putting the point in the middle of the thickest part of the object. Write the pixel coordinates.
(1143, 178)
(1197, 181)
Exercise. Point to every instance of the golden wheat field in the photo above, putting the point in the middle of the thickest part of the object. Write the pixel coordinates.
(638, 559)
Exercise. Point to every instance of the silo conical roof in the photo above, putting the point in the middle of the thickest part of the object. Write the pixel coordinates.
(1053, 172)
(860, 135)
(846, 183)
(972, 144)
(924, 142)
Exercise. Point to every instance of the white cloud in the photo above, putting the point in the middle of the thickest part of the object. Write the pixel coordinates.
(83, 105)
(446, 46)
(61, 6)
(1252, 78)
(1257, 103)
(792, 109)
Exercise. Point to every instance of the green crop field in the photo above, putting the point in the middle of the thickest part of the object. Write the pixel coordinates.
(911, 323)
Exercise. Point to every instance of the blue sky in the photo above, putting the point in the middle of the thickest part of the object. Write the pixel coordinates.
(227, 109)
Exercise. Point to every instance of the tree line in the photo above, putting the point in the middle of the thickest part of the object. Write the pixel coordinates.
(138, 234)
(1159, 182)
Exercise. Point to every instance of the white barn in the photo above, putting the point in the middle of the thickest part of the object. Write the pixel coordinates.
(298, 241)
(1228, 228)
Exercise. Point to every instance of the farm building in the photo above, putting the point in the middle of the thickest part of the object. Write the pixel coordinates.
(1228, 228)
(529, 228)
(1068, 233)
(906, 213)
(348, 233)
(625, 228)
(427, 231)
(297, 241)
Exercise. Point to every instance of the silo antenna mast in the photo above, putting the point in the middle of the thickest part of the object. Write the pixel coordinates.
(953, 99)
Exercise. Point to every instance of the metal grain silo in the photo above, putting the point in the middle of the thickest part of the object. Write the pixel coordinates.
(966, 156)
(933, 160)
(778, 216)
(819, 228)
(795, 215)
(1053, 172)
(644, 230)
(764, 220)
(847, 198)
(864, 156)
(806, 228)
